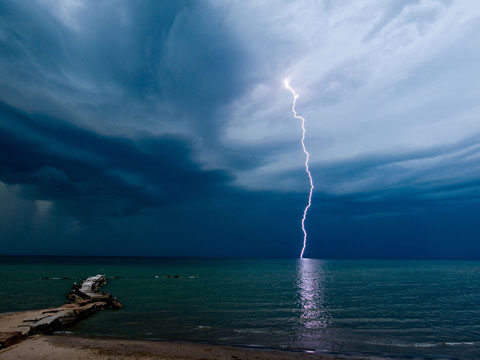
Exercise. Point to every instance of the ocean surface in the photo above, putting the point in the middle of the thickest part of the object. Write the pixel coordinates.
(396, 308)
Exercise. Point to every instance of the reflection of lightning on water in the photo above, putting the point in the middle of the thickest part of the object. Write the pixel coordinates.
(311, 283)
(307, 169)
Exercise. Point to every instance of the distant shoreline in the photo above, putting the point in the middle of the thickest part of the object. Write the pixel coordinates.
(61, 347)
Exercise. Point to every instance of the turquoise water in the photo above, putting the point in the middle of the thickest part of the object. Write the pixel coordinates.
(398, 308)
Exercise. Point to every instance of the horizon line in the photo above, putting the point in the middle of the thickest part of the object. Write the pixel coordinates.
(236, 257)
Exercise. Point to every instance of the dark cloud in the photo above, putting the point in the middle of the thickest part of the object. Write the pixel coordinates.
(88, 173)
(128, 59)
(119, 110)
(130, 65)
(434, 172)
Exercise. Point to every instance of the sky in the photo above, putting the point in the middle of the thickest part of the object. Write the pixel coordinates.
(163, 128)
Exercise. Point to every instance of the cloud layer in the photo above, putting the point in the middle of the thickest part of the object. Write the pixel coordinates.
(146, 112)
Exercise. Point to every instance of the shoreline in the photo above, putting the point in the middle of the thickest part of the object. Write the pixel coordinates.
(67, 346)
(73, 346)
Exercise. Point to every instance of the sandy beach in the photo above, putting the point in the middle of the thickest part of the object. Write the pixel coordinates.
(61, 347)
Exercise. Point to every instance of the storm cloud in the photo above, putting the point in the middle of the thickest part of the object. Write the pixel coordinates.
(92, 173)
(146, 120)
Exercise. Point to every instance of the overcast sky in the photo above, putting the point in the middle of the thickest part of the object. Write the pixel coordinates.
(164, 127)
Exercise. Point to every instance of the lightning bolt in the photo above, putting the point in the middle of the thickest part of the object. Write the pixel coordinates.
(307, 169)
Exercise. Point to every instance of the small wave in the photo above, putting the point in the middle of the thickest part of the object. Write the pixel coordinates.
(424, 345)
(251, 331)
(203, 326)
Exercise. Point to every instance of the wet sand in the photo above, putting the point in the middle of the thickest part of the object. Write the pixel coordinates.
(61, 347)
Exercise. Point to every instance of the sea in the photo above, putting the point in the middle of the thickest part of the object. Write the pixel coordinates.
(426, 309)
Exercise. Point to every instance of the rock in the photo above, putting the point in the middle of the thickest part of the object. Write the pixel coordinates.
(115, 304)
(10, 338)
(84, 301)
